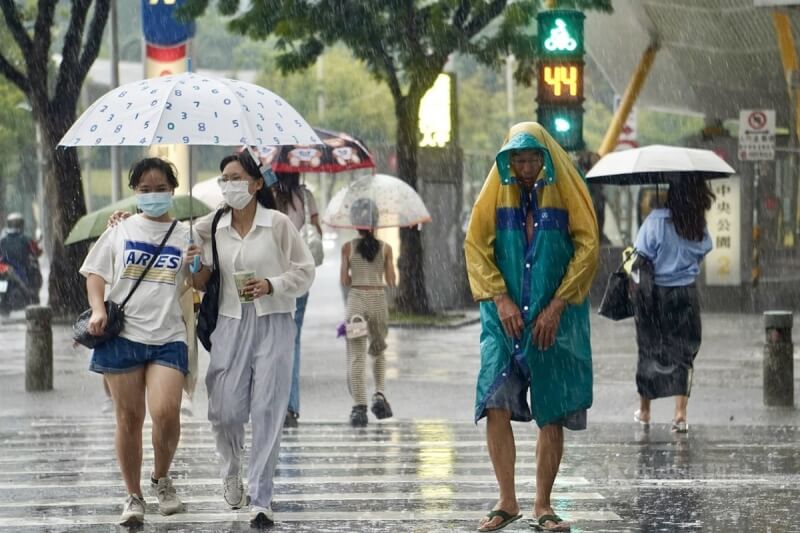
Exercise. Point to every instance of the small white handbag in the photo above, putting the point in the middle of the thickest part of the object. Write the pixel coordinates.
(356, 327)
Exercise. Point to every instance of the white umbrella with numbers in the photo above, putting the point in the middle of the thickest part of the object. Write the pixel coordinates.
(192, 109)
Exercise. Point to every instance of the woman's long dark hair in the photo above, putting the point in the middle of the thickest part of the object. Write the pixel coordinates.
(688, 200)
(368, 246)
(288, 184)
(263, 196)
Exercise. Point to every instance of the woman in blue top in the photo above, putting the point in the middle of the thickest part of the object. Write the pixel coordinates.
(670, 244)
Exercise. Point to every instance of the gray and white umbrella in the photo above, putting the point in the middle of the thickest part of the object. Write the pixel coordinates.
(657, 164)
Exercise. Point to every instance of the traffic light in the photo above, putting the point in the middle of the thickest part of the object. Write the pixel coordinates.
(560, 77)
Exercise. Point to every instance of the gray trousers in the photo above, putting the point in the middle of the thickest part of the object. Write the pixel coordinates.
(249, 376)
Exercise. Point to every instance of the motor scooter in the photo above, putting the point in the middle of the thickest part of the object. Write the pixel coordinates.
(14, 293)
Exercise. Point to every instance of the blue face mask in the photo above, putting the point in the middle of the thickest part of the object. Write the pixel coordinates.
(154, 204)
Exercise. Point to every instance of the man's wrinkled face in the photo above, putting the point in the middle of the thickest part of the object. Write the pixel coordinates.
(526, 165)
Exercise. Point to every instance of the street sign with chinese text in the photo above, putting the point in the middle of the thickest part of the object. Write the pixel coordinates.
(757, 134)
(723, 263)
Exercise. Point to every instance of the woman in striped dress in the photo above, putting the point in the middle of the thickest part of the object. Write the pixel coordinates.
(366, 261)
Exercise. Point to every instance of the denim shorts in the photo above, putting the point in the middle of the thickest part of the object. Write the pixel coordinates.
(122, 355)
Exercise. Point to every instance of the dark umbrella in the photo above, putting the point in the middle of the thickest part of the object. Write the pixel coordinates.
(657, 164)
(338, 153)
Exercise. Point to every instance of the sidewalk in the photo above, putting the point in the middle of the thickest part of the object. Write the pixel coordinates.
(431, 373)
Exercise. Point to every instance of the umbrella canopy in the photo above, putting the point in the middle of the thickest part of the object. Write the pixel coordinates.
(92, 225)
(657, 164)
(189, 108)
(338, 152)
(393, 200)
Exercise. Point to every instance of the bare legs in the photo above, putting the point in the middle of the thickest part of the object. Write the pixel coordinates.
(163, 390)
(127, 390)
(549, 449)
(681, 404)
(503, 453)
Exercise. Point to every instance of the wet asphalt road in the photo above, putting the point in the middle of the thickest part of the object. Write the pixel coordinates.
(738, 469)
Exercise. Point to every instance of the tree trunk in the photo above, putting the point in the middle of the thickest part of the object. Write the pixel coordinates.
(411, 296)
(65, 205)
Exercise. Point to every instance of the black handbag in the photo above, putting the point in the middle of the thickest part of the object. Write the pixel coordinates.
(209, 306)
(115, 312)
(616, 303)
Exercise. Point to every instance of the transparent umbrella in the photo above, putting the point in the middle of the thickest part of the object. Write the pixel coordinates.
(378, 201)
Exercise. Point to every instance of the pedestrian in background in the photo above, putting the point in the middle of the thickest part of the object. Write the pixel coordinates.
(366, 262)
(532, 250)
(670, 246)
(294, 199)
(147, 362)
(249, 373)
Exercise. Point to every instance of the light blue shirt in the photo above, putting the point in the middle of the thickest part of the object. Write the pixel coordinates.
(676, 260)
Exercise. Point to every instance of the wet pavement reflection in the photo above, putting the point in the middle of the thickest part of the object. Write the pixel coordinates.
(58, 474)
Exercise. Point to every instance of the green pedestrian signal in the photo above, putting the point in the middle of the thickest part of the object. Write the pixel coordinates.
(565, 124)
(560, 75)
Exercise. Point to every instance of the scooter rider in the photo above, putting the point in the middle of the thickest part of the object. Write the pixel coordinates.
(21, 253)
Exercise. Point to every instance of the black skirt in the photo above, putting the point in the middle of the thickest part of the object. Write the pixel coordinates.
(668, 334)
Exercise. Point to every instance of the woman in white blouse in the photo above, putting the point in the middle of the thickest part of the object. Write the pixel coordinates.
(249, 374)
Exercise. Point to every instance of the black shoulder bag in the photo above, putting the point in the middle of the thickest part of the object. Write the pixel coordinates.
(616, 303)
(114, 312)
(209, 307)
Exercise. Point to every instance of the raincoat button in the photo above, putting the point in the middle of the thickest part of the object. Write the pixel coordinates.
(525, 308)
(516, 346)
(535, 224)
(504, 374)
(527, 265)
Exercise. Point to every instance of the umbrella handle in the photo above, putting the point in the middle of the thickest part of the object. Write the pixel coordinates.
(194, 267)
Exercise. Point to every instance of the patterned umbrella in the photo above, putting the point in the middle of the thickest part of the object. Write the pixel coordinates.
(338, 153)
(189, 108)
(394, 202)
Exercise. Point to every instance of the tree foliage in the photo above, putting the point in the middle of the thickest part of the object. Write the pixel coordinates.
(403, 43)
(52, 91)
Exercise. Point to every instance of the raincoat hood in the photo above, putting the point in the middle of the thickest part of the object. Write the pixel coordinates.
(532, 136)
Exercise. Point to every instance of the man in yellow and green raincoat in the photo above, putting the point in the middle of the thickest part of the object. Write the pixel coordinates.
(532, 251)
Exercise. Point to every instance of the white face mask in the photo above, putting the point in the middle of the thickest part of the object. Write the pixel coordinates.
(236, 193)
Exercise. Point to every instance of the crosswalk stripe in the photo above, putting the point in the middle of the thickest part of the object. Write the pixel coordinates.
(564, 481)
(300, 516)
(433, 472)
(327, 496)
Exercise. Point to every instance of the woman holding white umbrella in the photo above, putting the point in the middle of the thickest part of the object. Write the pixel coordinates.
(670, 246)
(369, 203)
(250, 367)
(366, 262)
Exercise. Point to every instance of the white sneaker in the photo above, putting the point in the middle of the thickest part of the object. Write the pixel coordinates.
(168, 501)
(261, 516)
(187, 409)
(108, 405)
(132, 511)
(234, 491)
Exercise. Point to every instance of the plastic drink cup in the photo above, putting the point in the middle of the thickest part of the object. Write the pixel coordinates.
(241, 277)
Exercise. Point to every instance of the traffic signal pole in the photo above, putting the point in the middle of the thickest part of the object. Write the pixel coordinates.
(628, 99)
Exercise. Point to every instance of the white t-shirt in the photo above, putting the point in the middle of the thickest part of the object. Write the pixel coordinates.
(153, 314)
